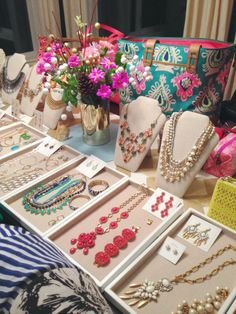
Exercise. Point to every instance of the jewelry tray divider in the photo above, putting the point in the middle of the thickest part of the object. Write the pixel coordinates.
(39, 223)
(229, 305)
(70, 152)
(160, 268)
(88, 218)
(9, 118)
(40, 136)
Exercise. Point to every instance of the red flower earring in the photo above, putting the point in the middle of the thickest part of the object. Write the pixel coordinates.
(112, 249)
(159, 200)
(168, 205)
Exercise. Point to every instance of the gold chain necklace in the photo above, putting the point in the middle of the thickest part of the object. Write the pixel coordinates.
(31, 92)
(148, 290)
(173, 170)
(54, 104)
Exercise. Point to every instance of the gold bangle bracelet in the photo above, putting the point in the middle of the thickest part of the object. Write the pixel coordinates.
(75, 197)
(92, 184)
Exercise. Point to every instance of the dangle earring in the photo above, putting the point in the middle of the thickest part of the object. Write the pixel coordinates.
(159, 200)
(191, 231)
(202, 237)
(95, 167)
(168, 205)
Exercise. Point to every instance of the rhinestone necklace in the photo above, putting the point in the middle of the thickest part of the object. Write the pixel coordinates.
(10, 86)
(149, 291)
(131, 143)
(174, 170)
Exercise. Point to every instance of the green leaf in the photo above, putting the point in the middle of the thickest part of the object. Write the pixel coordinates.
(118, 58)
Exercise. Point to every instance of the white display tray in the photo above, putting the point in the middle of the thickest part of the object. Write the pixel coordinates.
(9, 117)
(39, 223)
(150, 257)
(86, 221)
(74, 153)
(10, 127)
(229, 305)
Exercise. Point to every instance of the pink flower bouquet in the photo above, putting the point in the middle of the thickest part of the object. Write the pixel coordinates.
(90, 72)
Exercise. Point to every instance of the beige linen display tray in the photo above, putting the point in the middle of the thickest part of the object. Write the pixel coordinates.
(11, 166)
(87, 220)
(42, 223)
(8, 119)
(152, 266)
(37, 137)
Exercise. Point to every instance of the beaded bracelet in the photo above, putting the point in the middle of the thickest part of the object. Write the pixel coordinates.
(94, 183)
(75, 197)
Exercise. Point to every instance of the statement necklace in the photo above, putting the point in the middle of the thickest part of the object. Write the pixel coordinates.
(149, 291)
(10, 86)
(54, 104)
(67, 189)
(130, 142)
(174, 170)
(84, 241)
(31, 92)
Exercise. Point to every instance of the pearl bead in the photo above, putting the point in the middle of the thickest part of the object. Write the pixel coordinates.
(132, 68)
(45, 90)
(217, 305)
(179, 312)
(145, 74)
(209, 308)
(97, 25)
(209, 299)
(147, 69)
(180, 306)
(47, 66)
(49, 49)
(63, 116)
(135, 58)
(47, 85)
(192, 311)
(73, 50)
(68, 108)
(200, 309)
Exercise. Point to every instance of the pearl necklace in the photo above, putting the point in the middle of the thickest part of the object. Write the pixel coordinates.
(174, 170)
(149, 291)
(131, 143)
(212, 304)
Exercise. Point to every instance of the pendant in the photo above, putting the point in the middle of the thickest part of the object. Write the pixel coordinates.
(146, 292)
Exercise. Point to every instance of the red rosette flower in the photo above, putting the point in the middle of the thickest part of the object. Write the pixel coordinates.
(72, 250)
(113, 225)
(128, 234)
(99, 230)
(93, 235)
(115, 210)
(82, 237)
(103, 219)
(124, 215)
(120, 241)
(101, 259)
(90, 243)
(73, 241)
(111, 249)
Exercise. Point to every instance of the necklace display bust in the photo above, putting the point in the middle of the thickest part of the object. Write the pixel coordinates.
(141, 122)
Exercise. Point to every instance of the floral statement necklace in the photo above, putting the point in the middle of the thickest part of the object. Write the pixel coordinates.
(174, 170)
(66, 187)
(130, 142)
(148, 291)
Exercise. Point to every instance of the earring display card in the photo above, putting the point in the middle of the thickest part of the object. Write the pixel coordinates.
(15, 108)
(91, 166)
(48, 147)
(172, 250)
(199, 233)
(163, 204)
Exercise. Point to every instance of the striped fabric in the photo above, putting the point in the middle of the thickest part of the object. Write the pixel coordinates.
(23, 257)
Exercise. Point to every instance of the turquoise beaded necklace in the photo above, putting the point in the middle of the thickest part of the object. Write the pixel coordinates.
(66, 187)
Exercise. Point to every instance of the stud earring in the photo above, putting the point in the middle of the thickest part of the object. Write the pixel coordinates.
(191, 231)
(202, 237)
(89, 163)
(51, 147)
(149, 221)
(95, 167)
(46, 145)
(167, 247)
(175, 252)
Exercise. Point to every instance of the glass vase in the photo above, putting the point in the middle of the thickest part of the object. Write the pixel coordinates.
(95, 121)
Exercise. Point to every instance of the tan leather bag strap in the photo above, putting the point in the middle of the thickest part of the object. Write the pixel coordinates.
(149, 51)
(192, 61)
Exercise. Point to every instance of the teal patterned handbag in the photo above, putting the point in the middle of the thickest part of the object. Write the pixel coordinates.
(182, 74)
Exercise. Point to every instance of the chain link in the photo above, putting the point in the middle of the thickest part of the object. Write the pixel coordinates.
(214, 272)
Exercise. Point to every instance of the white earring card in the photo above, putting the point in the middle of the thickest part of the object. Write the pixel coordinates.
(172, 250)
(91, 166)
(163, 204)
